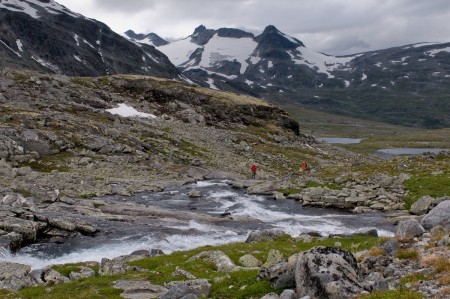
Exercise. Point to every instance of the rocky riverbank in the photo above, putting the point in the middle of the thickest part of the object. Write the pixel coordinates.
(417, 260)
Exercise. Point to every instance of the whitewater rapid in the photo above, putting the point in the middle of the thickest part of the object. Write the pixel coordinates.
(218, 199)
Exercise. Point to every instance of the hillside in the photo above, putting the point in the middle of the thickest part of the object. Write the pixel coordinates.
(56, 132)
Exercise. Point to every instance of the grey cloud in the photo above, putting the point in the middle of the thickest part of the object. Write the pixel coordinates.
(330, 26)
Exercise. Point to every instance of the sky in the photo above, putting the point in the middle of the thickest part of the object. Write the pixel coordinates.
(336, 27)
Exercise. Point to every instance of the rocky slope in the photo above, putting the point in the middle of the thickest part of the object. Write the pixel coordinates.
(46, 36)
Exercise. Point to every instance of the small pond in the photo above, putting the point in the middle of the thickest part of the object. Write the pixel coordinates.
(389, 152)
(339, 140)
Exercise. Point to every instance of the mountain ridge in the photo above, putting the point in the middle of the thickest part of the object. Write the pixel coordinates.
(404, 85)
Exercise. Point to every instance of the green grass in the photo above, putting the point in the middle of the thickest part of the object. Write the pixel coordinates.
(401, 293)
(432, 185)
(240, 284)
(407, 254)
(52, 162)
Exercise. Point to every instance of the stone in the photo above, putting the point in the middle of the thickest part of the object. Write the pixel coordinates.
(264, 235)
(177, 292)
(408, 229)
(28, 229)
(375, 282)
(440, 215)
(14, 276)
(249, 261)
(114, 266)
(52, 277)
(282, 274)
(62, 223)
(138, 289)
(199, 287)
(182, 273)
(288, 294)
(278, 196)
(84, 272)
(11, 241)
(326, 272)
(422, 205)
(273, 257)
(222, 262)
(390, 246)
(195, 193)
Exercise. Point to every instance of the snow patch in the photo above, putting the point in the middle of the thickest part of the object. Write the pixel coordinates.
(433, 53)
(255, 59)
(19, 45)
(347, 83)
(77, 39)
(77, 58)
(179, 52)
(364, 77)
(9, 48)
(378, 64)
(128, 111)
(86, 42)
(269, 64)
(248, 82)
(422, 45)
(33, 7)
(46, 64)
(211, 84)
(323, 63)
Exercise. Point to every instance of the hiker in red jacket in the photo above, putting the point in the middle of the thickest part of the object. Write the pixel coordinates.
(253, 169)
(304, 167)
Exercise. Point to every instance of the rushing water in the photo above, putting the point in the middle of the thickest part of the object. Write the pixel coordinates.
(219, 198)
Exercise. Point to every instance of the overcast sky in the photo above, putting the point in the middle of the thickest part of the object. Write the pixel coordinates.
(331, 26)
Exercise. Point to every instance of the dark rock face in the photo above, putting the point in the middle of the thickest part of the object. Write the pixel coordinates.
(153, 37)
(325, 272)
(70, 44)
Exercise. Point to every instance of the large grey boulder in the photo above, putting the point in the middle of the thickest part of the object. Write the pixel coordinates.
(249, 261)
(14, 276)
(440, 215)
(83, 272)
(11, 241)
(199, 287)
(281, 274)
(28, 229)
(52, 277)
(264, 235)
(138, 289)
(422, 205)
(222, 262)
(326, 272)
(408, 229)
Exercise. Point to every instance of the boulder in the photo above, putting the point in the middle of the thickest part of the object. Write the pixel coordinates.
(28, 229)
(391, 246)
(114, 266)
(14, 276)
(408, 229)
(282, 274)
(221, 260)
(326, 272)
(422, 205)
(138, 289)
(199, 287)
(288, 294)
(273, 257)
(440, 215)
(83, 272)
(264, 235)
(249, 261)
(178, 292)
(195, 193)
(264, 188)
(271, 296)
(52, 277)
(11, 241)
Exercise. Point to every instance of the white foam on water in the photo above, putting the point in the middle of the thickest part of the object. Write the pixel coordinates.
(202, 184)
(167, 245)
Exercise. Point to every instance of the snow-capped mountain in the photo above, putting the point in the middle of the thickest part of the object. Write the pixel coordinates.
(46, 36)
(405, 85)
(233, 54)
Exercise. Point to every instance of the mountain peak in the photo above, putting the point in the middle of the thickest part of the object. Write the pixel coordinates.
(273, 37)
(199, 29)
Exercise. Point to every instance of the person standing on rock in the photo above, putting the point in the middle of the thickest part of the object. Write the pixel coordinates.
(253, 169)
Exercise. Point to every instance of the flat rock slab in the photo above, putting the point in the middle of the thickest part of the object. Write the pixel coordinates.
(138, 289)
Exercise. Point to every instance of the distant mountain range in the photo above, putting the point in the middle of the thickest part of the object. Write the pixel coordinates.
(408, 85)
